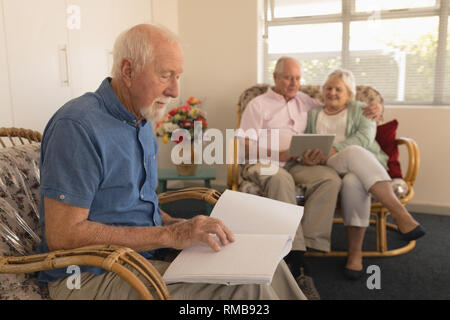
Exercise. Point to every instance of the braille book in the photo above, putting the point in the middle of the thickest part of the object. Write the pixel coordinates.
(263, 229)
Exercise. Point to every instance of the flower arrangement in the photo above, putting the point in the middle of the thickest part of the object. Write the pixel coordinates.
(182, 117)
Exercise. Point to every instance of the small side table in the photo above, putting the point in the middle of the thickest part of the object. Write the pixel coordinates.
(164, 175)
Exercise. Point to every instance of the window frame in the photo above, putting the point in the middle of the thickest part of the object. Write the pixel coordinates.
(349, 14)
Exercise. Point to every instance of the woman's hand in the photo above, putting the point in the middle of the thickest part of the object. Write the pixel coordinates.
(316, 157)
(313, 157)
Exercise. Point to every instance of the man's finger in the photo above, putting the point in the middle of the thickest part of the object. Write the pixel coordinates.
(228, 233)
(210, 241)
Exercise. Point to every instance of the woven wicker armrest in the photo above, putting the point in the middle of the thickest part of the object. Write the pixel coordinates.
(208, 195)
(20, 134)
(413, 159)
(411, 171)
(110, 258)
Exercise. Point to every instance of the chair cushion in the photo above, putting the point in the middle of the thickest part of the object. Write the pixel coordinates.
(386, 135)
(19, 200)
(21, 287)
(19, 216)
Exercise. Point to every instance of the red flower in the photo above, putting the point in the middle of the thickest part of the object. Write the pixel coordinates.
(173, 112)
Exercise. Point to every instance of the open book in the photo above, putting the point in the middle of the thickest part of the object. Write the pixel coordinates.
(263, 229)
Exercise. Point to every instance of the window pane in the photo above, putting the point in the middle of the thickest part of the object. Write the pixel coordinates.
(371, 5)
(447, 69)
(300, 42)
(304, 8)
(304, 38)
(397, 57)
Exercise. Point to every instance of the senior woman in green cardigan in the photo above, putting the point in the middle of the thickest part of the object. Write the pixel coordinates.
(358, 158)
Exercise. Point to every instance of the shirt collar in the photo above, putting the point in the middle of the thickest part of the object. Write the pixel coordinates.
(112, 103)
(278, 96)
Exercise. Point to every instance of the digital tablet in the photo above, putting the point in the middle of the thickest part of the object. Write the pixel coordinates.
(301, 143)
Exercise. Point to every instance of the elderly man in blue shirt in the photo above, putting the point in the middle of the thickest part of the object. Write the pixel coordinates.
(99, 176)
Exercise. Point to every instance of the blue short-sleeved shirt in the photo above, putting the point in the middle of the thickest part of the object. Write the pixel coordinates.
(94, 156)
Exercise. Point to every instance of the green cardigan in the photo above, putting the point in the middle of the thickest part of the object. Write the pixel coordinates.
(360, 131)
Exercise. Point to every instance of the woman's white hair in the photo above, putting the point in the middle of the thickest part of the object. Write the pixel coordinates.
(137, 44)
(347, 77)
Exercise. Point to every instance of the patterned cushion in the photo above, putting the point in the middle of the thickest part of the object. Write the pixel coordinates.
(19, 216)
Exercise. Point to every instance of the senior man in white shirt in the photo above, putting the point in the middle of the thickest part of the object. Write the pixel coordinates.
(285, 108)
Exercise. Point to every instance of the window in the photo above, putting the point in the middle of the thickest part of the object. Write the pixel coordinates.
(288, 8)
(393, 45)
(371, 5)
(316, 56)
(446, 96)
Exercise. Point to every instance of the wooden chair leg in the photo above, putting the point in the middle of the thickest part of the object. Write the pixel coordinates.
(381, 231)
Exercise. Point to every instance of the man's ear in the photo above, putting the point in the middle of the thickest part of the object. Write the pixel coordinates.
(126, 68)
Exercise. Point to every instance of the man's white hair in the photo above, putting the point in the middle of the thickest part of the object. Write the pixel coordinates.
(137, 44)
(347, 77)
(279, 66)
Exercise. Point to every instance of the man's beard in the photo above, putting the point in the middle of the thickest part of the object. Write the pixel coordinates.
(155, 112)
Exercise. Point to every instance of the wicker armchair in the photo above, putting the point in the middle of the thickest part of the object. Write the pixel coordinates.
(235, 181)
(20, 228)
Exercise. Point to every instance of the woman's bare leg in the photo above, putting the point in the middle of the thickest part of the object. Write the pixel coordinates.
(384, 193)
(355, 238)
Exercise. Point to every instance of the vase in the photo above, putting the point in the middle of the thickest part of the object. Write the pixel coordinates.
(187, 169)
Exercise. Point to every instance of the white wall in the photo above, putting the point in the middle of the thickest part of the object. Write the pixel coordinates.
(6, 116)
(429, 127)
(220, 44)
(165, 12)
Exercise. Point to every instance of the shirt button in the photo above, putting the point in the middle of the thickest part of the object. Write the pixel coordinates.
(154, 157)
(142, 196)
(62, 197)
(124, 122)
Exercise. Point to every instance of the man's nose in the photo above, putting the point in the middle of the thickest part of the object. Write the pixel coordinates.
(172, 89)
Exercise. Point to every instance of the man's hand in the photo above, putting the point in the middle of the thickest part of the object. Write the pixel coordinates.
(373, 111)
(313, 157)
(199, 229)
(285, 157)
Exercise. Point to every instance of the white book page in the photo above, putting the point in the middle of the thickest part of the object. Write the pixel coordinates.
(250, 259)
(249, 214)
